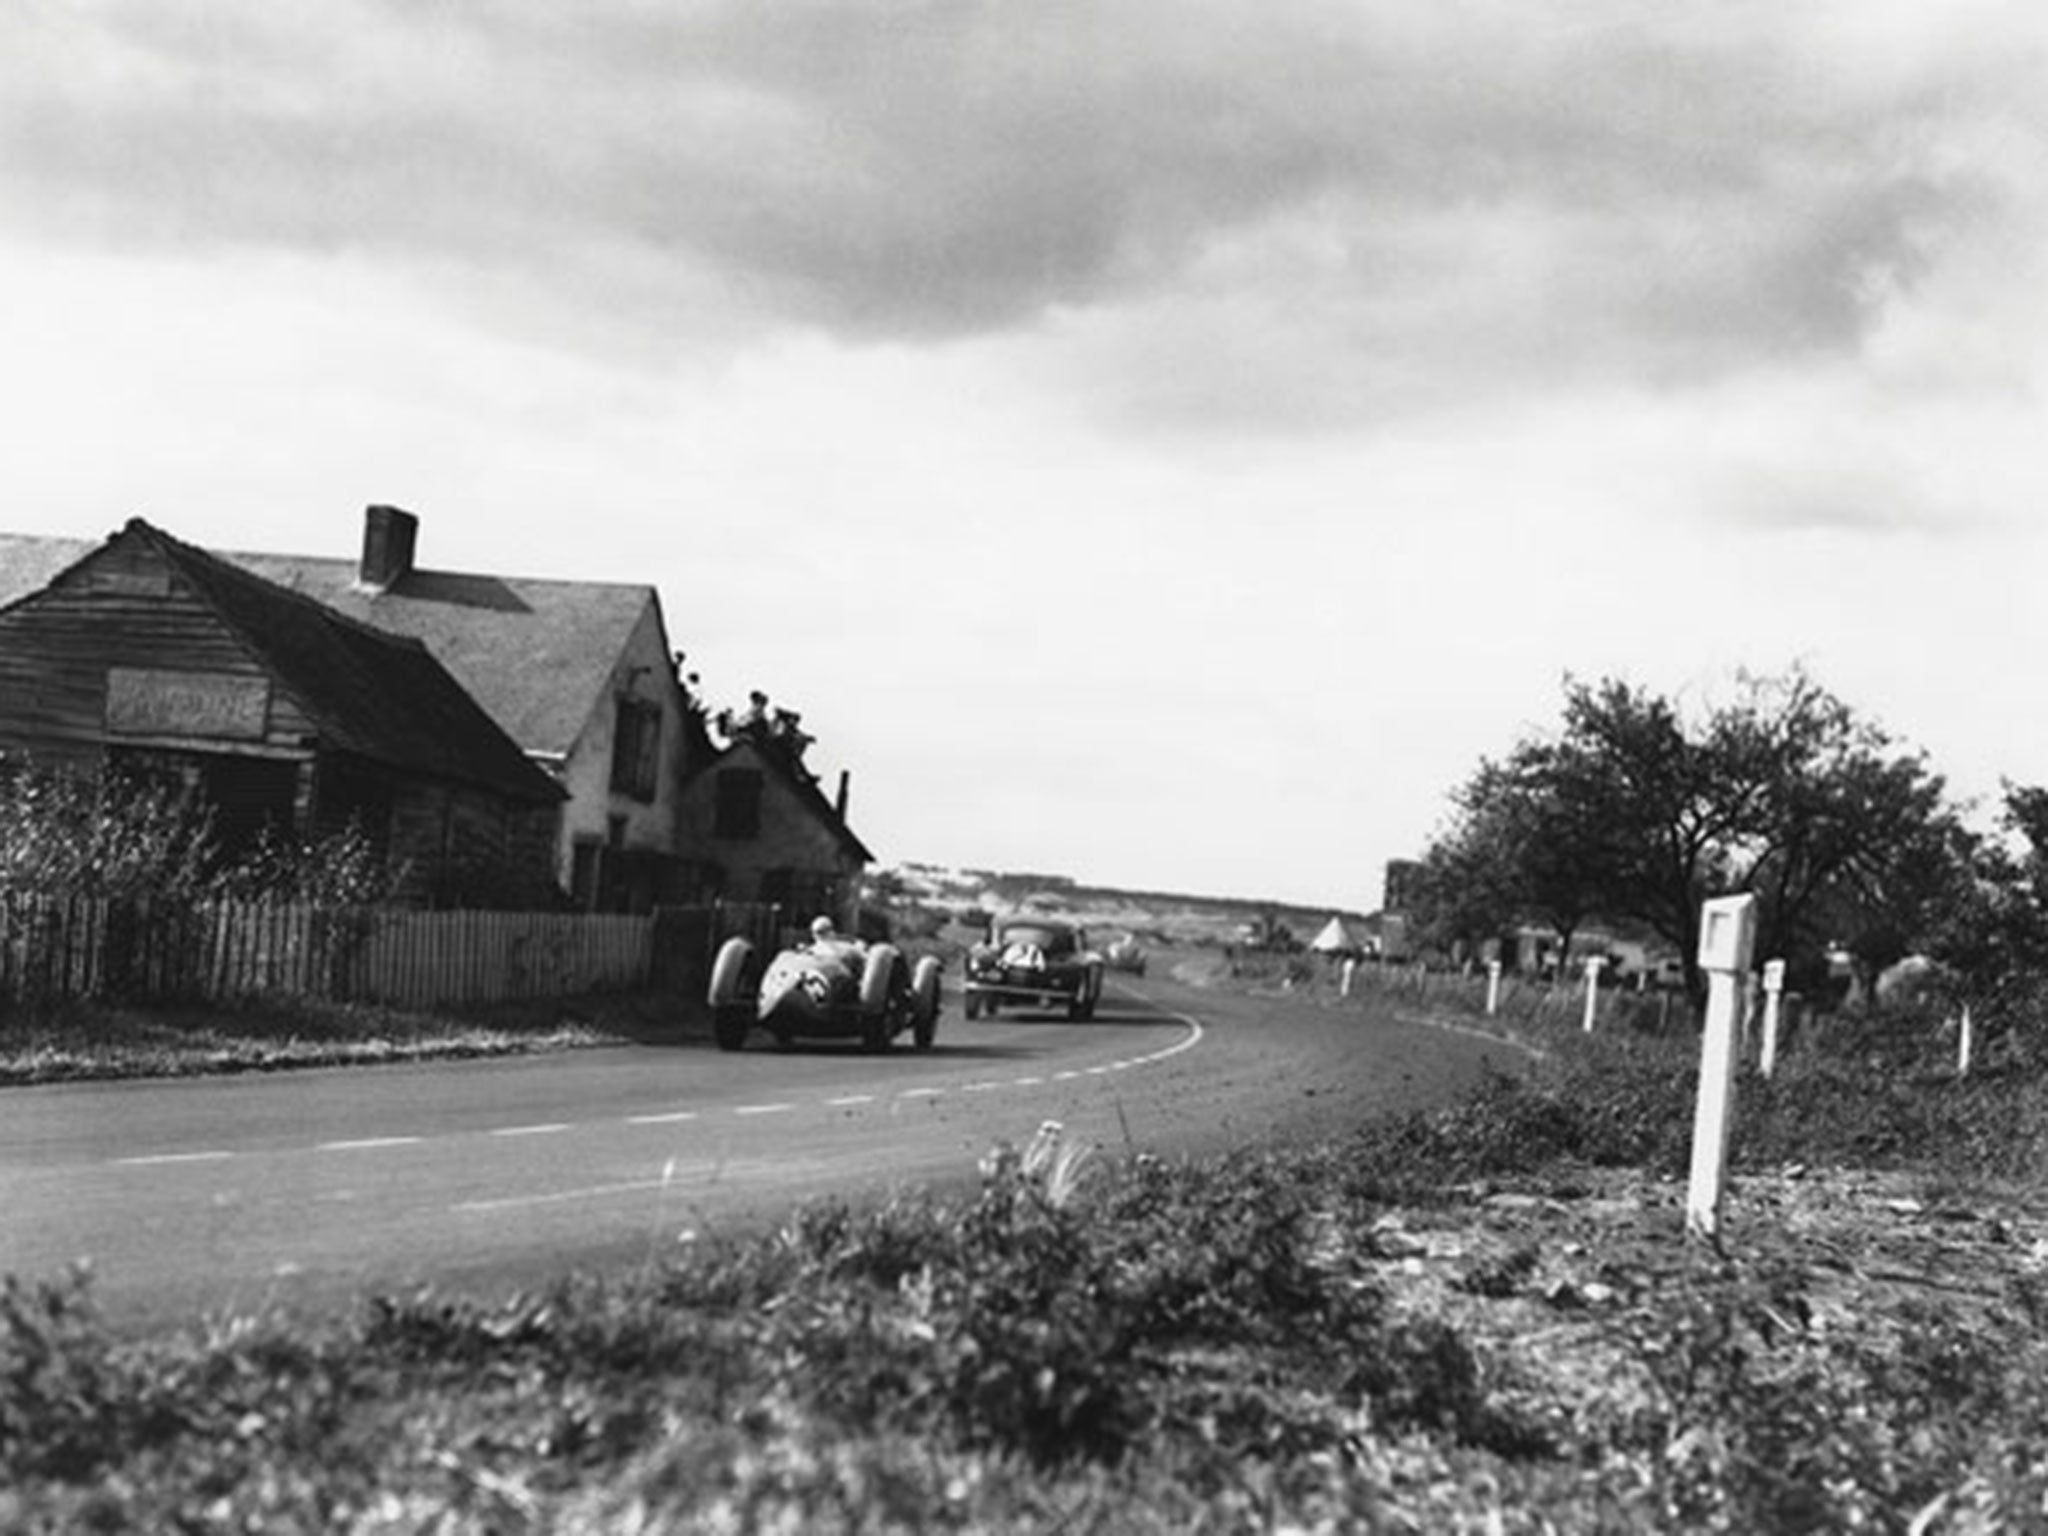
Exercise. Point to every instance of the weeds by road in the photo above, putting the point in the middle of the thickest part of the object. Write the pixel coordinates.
(87, 1041)
(1485, 1319)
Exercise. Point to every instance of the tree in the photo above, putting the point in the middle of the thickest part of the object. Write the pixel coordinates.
(1994, 928)
(1633, 812)
(1512, 854)
(1844, 836)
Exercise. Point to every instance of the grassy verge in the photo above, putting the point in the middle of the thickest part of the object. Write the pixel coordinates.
(1485, 1319)
(100, 1041)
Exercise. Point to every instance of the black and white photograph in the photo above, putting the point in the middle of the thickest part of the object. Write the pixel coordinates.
(1023, 766)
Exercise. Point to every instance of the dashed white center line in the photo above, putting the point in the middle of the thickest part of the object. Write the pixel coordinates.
(560, 1197)
(680, 1116)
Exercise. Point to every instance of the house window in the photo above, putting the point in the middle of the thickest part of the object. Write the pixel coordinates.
(738, 813)
(636, 749)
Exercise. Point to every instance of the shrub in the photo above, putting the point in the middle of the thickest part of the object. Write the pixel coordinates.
(113, 836)
(127, 837)
(338, 870)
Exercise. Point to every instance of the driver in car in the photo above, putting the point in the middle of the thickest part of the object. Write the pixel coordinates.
(828, 944)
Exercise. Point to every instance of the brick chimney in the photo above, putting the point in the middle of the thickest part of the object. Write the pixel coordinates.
(389, 536)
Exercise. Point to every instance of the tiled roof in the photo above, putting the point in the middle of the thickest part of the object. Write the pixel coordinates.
(382, 696)
(536, 654)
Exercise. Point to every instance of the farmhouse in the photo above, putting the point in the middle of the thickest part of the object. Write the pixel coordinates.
(770, 833)
(157, 658)
(580, 674)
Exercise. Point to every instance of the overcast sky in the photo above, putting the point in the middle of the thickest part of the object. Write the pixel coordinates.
(1160, 442)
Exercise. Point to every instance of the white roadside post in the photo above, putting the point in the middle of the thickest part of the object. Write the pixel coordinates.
(1350, 970)
(1492, 988)
(1593, 964)
(1774, 987)
(1963, 1043)
(1727, 938)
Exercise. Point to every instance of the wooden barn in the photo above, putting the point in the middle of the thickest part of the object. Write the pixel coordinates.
(156, 657)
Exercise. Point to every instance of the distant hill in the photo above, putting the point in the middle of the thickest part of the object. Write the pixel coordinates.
(1164, 917)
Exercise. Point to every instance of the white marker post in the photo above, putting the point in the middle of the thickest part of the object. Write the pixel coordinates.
(1593, 964)
(1727, 938)
(1350, 970)
(1774, 987)
(1964, 1042)
(1492, 988)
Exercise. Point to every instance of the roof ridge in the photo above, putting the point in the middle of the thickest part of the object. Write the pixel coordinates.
(271, 590)
(227, 589)
(349, 563)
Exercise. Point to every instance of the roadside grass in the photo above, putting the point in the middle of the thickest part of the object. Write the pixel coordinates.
(97, 1041)
(1481, 1319)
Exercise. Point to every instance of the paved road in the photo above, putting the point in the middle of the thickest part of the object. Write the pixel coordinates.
(302, 1189)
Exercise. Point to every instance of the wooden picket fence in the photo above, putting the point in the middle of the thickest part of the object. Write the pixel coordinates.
(54, 948)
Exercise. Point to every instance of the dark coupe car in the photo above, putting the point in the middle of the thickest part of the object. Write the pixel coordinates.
(1033, 961)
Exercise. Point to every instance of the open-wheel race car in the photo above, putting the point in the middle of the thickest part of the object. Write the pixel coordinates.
(1125, 953)
(831, 988)
(1033, 961)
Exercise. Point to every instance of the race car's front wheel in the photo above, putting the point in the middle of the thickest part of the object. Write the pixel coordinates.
(731, 1009)
(924, 1002)
(881, 987)
(878, 978)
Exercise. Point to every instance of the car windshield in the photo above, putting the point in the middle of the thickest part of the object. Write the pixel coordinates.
(1054, 941)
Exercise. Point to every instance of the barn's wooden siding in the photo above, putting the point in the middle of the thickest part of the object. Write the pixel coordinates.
(124, 659)
(121, 607)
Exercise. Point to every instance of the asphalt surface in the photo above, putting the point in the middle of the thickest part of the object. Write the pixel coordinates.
(307, 1189)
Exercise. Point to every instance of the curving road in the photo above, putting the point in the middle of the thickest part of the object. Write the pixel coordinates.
(305, 1188)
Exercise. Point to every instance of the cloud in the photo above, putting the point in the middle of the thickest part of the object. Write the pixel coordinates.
(1302, 213)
